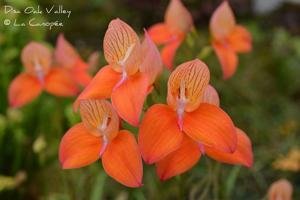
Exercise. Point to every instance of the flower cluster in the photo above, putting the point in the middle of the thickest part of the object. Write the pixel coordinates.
(59, 73)
(173, 136)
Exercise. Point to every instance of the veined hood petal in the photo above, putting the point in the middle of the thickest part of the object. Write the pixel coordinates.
(178, 18)
(222, 21)
(99, 117)
(65, 54)
(36, 58)
(121, 47)
(186, 85)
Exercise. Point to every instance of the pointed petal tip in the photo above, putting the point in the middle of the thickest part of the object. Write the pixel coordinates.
(183, 23)
(14, 104)
(138, 185)
(61, 36)
(249, 164)
(148, 161)
(122, 160)
(162, 178)
(222, 21)
(226, 77)
(134, 122)
(65, 166)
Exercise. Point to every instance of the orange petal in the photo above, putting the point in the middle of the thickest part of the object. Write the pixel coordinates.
(65, 53)
(152, 64)
(23, 89)
(159, 134)
(242, 155)
(180, 160)
(178, 18)
(101, 85)
(160, 33)
(120, 45)
(227, 58)
(99, 117)
(240, 39)
(128, 99)
(222, 21)
(60, 83)
(169, 51)
(281, 189)
(79, 148)
(188, 81)
(36, 58)
(66, 56)
(94, 61)
(211, 126)
(80, 73)
(81, 77)
(122, 160)
(211, 96)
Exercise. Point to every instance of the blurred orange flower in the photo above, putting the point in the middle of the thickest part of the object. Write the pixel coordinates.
(98, 136)
(67, 57)
(174, 135)
(131, 70)
(229, 38)
(290, 162)
(280, 190)
(171, 33)
(39, 75)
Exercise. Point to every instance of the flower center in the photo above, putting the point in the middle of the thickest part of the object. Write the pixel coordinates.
(123, 79)
(39, 71)
(181, 103)
(122, 63)
(126, 56)
(102, 127)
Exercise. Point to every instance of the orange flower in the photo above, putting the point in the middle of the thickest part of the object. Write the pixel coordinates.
(280, 190)
(132, 70)
(67, 57)
(171, 33)
(189, 153)
(229, 38)
(98, 136)
(175, 135)
(39, 75)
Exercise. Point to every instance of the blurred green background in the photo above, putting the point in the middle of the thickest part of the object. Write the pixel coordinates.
(263, 99)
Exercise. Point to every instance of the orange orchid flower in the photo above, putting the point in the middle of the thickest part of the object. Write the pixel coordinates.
(129, 76)
(229, 38)
(281, 189)
(67, 57)
(189, 153)
(39, 75)
(171, 33)
(165, 128)
(98, 136)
